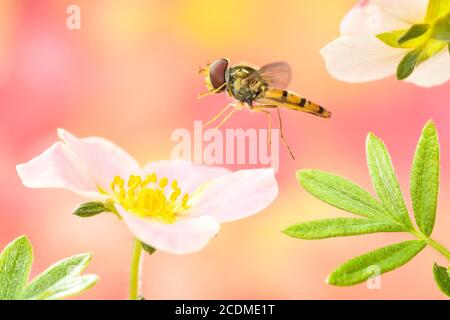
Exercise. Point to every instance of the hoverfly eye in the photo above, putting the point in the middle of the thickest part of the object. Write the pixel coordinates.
(217, 72)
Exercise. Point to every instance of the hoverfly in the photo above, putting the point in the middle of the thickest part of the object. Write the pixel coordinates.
(257, 89)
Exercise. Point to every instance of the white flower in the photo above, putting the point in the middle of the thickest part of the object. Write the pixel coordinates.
(173, 206)
(359, 56)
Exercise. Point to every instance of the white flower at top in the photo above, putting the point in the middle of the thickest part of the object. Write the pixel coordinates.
(173, 206)
(380, 38)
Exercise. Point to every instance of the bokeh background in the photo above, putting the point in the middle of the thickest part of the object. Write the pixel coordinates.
(130, 75)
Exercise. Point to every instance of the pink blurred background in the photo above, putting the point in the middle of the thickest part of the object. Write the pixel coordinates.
(130, 75)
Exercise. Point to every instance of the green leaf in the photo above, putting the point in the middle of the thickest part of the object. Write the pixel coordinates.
(441, 29)
(408, 64)
(436, 8)
(385, 181)
(328, 228)
(15, 266)
(90, 209)
(414, 32)
(388, 258)
(71, 286)
(339, 192)
(424, 184)
(42, 286)
(442, 278)
(149, 249)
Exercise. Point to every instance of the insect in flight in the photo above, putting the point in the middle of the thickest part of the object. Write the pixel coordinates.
(257, 89)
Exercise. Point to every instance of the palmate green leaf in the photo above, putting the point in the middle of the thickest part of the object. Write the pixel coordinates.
(339, 192)
(15, 265)
(59, 274)
(424, 181)
(442, 278)
(385, 259)
(385, 181)
(338, 227)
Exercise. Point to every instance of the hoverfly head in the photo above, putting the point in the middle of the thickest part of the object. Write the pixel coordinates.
(215, 75)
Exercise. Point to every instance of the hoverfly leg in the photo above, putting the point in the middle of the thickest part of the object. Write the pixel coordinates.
(282, 136)
(217, 116)
(227, 117)
(210, 93)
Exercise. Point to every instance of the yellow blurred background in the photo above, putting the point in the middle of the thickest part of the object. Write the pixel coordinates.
(130, 75)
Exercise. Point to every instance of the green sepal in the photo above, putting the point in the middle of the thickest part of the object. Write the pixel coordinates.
(149, 249)
(414, 32)
(408, 64)
(391, 38)
(90, 209)
(436, 8)
(441, 29)
(442, 278)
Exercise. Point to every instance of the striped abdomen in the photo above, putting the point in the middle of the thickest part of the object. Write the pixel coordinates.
(291, 100)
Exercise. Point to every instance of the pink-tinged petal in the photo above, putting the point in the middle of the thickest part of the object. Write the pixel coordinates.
(237, 195)
(189, 175)
(410, 11)
(182, 237)
(58, 167)
(433, 72)
(369, 19)
(360, 58)
(103, 159)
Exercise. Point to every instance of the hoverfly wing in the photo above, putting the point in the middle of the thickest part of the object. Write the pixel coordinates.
(276, 74)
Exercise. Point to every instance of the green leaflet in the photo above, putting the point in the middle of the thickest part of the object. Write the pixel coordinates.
(338, 227)
(70, 287)
(90, 209)
(58, 276)
(15, 266)
(385, 181)
(414, 32)
(442, 278)
(339, 192)
(424, 181)
(436, 8)
(385, 259)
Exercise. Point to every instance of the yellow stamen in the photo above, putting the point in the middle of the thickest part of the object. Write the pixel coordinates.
(145, 198)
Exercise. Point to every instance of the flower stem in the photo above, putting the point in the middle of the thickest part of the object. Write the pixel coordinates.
(432, 243)
(134, 270)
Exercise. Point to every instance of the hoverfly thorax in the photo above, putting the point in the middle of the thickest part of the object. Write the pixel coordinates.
(215, 75)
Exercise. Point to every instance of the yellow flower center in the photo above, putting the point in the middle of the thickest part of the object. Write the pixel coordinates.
(148, 197)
